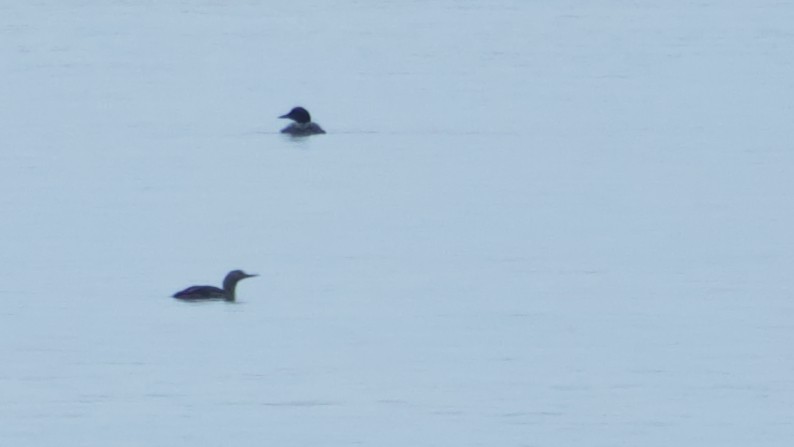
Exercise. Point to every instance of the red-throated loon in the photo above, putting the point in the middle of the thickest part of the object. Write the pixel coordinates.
(213, 293)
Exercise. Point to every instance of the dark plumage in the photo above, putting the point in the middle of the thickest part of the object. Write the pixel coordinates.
(196, 293)
(303, 125)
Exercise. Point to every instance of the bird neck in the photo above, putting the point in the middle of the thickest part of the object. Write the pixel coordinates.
(229, 286)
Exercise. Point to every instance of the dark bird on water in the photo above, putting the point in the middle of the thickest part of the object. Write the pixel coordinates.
(303, 125)
(197, 293)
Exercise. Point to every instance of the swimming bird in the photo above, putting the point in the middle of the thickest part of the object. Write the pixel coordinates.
(303, 125)
(213, 293)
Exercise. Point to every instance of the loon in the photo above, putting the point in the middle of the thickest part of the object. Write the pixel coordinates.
(213, 293)
(303, 125)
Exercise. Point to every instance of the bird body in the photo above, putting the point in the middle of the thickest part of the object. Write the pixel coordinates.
(201, 292)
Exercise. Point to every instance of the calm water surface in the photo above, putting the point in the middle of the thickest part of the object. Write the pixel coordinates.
(550, 223)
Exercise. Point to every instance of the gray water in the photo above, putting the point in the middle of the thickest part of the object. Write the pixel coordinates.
(530, 223)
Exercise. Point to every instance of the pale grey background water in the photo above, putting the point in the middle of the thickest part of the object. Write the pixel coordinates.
(530, 223)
